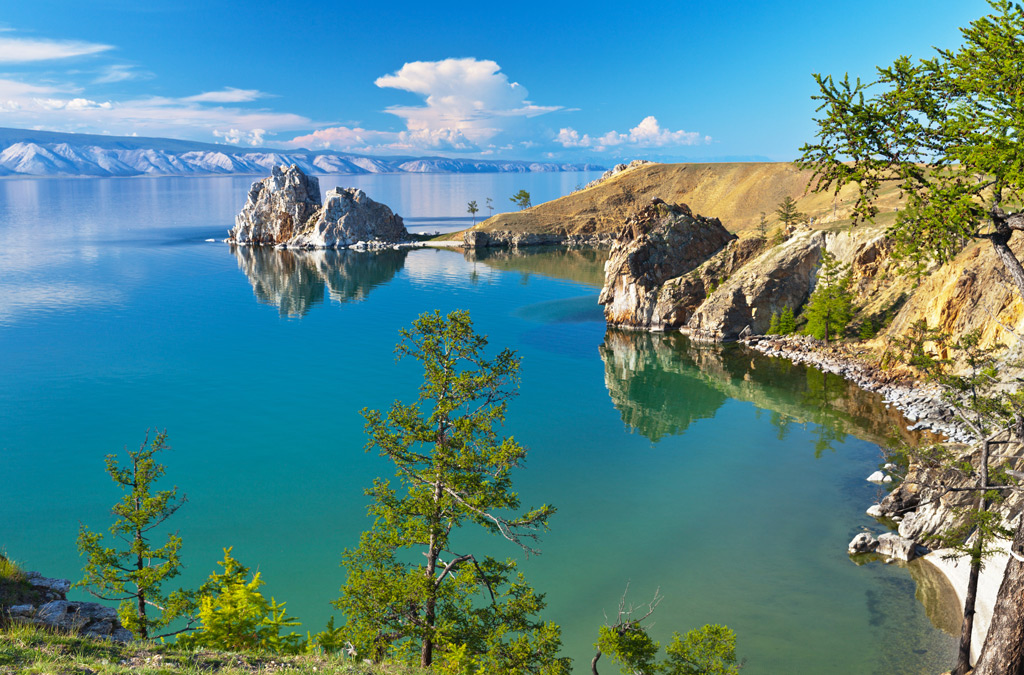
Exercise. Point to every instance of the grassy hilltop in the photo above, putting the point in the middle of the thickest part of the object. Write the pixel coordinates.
(735, 193)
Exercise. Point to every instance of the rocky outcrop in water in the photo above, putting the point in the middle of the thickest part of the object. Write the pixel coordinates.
(284, 210)
(780, 278)
(661, 242)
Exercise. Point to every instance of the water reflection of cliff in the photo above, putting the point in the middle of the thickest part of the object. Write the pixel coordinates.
(294, 281)
(661, 383)
(583, 266)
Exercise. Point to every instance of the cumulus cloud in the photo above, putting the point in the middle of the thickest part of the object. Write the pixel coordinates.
(227, 95)
(27, 50)
(253, 137)
(647, 134)
(469, 105)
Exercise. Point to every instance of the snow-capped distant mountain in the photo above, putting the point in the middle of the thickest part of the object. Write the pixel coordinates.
(47, 153)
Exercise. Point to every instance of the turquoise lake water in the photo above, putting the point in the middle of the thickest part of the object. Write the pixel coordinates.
(730, 481)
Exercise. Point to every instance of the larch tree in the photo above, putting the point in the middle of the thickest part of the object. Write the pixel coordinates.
(447, 603)
(945, 130)
(830, 307)
(135, 571)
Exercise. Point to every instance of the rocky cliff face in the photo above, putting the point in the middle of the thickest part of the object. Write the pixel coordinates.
(284, 210)
(781, 277)
(661, 242)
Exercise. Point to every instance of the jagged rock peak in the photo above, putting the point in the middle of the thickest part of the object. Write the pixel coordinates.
(285, 210)
(659, 242)
(277, 208)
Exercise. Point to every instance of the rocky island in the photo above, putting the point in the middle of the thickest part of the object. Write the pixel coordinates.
(285, 210)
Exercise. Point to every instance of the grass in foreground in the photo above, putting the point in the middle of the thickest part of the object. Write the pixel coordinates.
(33, 650)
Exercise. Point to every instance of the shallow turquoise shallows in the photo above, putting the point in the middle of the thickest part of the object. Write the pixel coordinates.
(730, 481)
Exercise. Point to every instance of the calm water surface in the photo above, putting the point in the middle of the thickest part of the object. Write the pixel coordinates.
(729, 481)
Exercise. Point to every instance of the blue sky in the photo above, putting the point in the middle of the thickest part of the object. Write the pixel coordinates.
(569, 81)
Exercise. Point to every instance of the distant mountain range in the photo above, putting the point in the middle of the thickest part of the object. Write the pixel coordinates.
(48, 153)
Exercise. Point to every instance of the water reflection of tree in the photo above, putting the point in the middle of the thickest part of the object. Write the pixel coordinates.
(661, 383)
(294, 281)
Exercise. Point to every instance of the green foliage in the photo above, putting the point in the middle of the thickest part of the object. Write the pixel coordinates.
(709, 650)
(234, 615)
(773, 324)
(135, 574)
(453, 470)
(521, 199)
(830, 308)
(945, 130)
(868, 330)
(629, 646)
(490, 207)
(472, 209)
(787, 322)
(787, 212)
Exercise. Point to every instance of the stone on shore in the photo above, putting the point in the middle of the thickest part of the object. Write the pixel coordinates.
(862, 543)
(876, 477)
(894, 546)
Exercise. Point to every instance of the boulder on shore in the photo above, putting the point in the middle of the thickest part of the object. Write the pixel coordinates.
(661, 242)
(284, 210)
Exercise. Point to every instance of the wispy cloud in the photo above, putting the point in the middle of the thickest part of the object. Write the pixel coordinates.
(28, 50)
(647, 134)
(228, 95)
(121, 73)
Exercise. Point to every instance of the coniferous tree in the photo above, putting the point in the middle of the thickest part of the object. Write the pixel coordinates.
(521, 199)
(453, 470)
(136, 573)
(773, 324)
(945, 130)
(787, 212)
(787, 322)
(831, 305)
(235, 616)
(472, 209)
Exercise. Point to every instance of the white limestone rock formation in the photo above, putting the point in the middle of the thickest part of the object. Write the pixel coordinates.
(285, 210)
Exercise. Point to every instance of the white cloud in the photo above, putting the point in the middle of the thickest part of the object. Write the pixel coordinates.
(28, 50)
(647, 134)
(469, 106)
(253, 137)
(227, 95)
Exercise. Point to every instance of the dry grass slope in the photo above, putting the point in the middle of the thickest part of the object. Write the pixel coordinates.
(735, 193)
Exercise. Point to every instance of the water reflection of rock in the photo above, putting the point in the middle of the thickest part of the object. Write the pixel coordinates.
(294, 281)
(584, 266)
(662, 382)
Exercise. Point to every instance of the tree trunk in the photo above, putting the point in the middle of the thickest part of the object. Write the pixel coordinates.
(1001, 243)
(430, 606)
(593, 663)
(963, 660)
(1003, 652)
